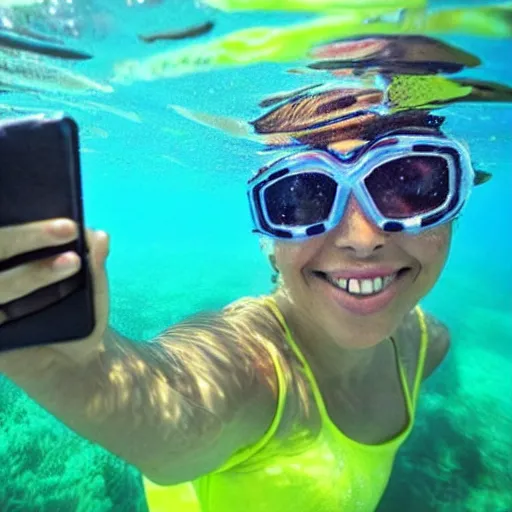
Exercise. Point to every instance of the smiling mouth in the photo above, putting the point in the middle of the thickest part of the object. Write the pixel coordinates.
(363, 288)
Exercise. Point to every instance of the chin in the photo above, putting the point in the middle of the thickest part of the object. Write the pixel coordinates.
(364, 322)
(356, 331)
(362, 334)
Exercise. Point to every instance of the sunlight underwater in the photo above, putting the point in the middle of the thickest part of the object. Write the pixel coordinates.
(374, 68)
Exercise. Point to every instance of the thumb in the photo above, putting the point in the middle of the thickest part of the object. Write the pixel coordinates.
(99, 247)
(82, 350)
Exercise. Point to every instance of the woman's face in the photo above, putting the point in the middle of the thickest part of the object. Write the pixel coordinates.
(356, 283)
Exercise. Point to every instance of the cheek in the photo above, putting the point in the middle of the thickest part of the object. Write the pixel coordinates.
(431, 249)
(293, 257)
(289, 260)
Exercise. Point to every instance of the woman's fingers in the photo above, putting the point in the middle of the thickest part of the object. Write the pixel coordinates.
(25, 279)
(16, 240)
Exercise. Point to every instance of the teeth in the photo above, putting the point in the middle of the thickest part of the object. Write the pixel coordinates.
(353, 286)
(364, 286)
(388, 280)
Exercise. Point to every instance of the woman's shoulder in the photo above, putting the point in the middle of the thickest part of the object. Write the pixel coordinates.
(245, 333)
(243, 318)
(219, 364)
(236, 339)
(256, 316)
(285, 373)
(250, 305)
(257, 324)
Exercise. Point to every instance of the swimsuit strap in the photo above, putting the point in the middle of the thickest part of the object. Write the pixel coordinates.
(408, 394)
(422, 356)
(270, 301)
(411, 395)
(410, 398)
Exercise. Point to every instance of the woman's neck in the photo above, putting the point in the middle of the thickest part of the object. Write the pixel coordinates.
(326, 356)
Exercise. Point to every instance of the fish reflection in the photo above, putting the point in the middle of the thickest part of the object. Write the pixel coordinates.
(14, 41)
(334, 113)
(175, 35)
(386, 54)
(29, 56)
(390, 83)
(321, 38)
(252, 45)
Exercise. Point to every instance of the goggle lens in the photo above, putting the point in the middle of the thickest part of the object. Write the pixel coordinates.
(405, 187)
(301, 199)
(400, 188)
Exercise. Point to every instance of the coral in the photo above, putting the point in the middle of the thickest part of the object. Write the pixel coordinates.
(50, 468)
(458, 458)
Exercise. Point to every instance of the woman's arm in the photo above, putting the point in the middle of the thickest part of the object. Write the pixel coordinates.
(176, 407)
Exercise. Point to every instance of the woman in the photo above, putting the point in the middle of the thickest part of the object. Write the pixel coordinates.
(299, 400)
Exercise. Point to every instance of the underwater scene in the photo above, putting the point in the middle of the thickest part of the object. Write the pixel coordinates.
(179, 103)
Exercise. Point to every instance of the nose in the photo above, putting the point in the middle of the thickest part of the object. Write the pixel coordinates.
(356, 233)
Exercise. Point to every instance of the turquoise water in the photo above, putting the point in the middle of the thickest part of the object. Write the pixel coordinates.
(171, 193)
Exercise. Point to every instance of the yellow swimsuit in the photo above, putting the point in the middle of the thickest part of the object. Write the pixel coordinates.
(329, 473)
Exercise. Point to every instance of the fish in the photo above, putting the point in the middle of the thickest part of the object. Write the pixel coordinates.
(175, 35)
(294, 42)
(249, 46)
(16, 42)
(319, 109)
(391, 54)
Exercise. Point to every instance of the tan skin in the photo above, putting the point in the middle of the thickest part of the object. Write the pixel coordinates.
(356, 348)
(180, 406)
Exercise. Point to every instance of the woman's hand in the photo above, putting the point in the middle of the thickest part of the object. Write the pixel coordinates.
(20, 281)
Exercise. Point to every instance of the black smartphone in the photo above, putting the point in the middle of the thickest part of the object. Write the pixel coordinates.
(39, 180)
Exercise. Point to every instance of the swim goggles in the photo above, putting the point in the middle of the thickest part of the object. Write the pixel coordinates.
(405, 183)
